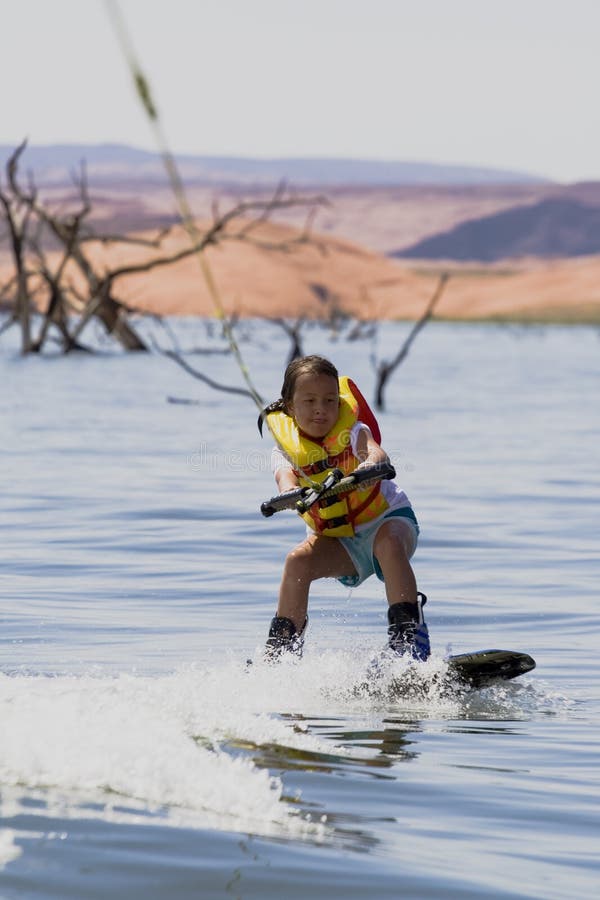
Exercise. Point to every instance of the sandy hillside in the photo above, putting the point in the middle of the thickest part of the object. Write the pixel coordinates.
(280, 277)
(562, 290)
(277, 276)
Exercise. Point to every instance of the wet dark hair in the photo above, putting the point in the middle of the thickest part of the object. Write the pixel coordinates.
(303, 365)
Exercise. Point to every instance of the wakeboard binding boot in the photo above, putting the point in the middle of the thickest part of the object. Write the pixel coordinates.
(284, 638)
(407, 632)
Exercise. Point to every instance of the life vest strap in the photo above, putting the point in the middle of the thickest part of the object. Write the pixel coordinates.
(353, 514)
(330, 462)
(317, 467)
(329, 524)
(348, 518)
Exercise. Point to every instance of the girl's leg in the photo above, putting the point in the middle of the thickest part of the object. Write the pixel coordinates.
(407, 633)
(392, 546)
(316, 557)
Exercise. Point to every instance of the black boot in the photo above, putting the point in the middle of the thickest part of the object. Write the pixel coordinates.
(408, 633)
(283, 637)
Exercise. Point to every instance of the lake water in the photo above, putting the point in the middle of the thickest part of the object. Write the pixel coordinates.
(139, 758)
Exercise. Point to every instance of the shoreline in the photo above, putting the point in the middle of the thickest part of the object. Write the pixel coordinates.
(573, 318)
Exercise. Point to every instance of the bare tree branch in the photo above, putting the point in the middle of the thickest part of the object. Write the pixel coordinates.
(176, 356)
(59, 285)
(67, 230)
(201, 377)
(17, 217)
(10, 321)
(292, 329)
(385, 369)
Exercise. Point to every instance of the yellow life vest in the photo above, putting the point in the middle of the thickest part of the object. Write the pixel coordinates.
(312, 459)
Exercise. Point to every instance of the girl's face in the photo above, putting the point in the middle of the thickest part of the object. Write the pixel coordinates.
(315, 404)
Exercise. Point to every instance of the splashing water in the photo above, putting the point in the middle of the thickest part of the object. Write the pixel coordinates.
(167, 747)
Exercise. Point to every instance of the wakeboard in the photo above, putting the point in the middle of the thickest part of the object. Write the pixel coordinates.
(484, 666)
(461, 672)
(477, 669)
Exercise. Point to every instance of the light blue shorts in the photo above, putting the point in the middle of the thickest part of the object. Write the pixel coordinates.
(360, 547)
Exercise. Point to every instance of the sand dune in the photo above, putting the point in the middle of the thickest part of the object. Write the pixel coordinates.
(330, 274)
(315, 279)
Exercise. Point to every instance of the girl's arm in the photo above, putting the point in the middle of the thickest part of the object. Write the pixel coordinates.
(286, 479)
(368, 450)
(282, 470)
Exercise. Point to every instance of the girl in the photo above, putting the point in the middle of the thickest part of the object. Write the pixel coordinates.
(320, 423)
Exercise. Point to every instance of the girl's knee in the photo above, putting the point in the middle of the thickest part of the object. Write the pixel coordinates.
(395, 538)
(298, 562)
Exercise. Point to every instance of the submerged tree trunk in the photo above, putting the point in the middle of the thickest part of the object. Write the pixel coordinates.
(113, 316)
(385, 369)
(18, 224)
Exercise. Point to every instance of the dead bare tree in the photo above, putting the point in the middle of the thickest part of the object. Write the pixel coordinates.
(362, 330)
(293, 330)
(67, 229)
(99, 299)
(385, 369)
(18, 219)
(57, 308)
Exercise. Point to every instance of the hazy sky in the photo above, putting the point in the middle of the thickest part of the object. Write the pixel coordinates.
(502, 83)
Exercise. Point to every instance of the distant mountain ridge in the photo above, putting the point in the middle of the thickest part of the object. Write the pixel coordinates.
(53, 163)
(554, 227)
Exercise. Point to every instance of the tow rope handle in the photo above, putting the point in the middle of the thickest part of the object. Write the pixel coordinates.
(315, 493)
(301, 499)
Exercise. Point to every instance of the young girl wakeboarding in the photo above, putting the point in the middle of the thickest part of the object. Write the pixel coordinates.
(322, 422)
